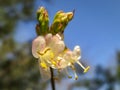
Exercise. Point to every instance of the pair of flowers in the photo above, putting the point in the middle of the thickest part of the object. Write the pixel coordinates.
(52, 52)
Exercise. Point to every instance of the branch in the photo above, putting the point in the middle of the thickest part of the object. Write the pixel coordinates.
(52, 79)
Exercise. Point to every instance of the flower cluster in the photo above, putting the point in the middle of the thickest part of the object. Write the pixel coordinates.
(49, 46)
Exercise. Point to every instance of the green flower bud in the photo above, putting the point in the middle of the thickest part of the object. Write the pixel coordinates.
(70, 15)
(43, 19)
(60, 22)
(58, 15)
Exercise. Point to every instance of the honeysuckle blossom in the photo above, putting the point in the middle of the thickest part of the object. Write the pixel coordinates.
(52, 52)
(49, 47)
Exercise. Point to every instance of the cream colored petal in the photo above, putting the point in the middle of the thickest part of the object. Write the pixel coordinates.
(48, 38)
(38, 45)
(55, 38)
(59, 47)
(59, 36)
(62, 63)
(68, 54)
(70, 57)
(52, 41)
(45, 73)
(76, 51)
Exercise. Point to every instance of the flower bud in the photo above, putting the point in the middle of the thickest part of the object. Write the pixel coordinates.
(60, 22)
(43, 19)
(70, 15)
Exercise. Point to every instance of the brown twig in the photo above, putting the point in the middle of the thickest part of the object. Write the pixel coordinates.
(52, 79)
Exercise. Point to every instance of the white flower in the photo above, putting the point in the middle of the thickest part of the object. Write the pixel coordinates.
(52, 52)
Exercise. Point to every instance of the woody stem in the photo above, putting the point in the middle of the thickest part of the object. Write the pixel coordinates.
(52, 79)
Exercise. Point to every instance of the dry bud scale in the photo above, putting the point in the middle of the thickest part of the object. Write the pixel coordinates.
(49, 47)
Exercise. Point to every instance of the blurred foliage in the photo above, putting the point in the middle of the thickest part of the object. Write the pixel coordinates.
(118, 66)
(13, 10)
(18, 69)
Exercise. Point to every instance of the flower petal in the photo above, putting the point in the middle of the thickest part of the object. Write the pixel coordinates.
(57, 45)
(61, 63)
(38, 45)
(48, 38)
(76, 50)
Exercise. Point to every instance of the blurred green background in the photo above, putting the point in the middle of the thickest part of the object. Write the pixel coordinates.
(19, 70)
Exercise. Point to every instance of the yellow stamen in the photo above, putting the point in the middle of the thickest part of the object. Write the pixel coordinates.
(76, 77)
(67, 73)
(73, 68)
(53, 62)
(51, 55)
(43, 65)
(85, 69)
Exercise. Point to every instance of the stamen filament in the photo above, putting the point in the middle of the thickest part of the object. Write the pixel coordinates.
(66, 71)
(85, 68)
(74, 70)
(80, 64)
(76, 76)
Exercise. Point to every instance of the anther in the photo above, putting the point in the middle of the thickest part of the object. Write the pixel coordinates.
(84, 68)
